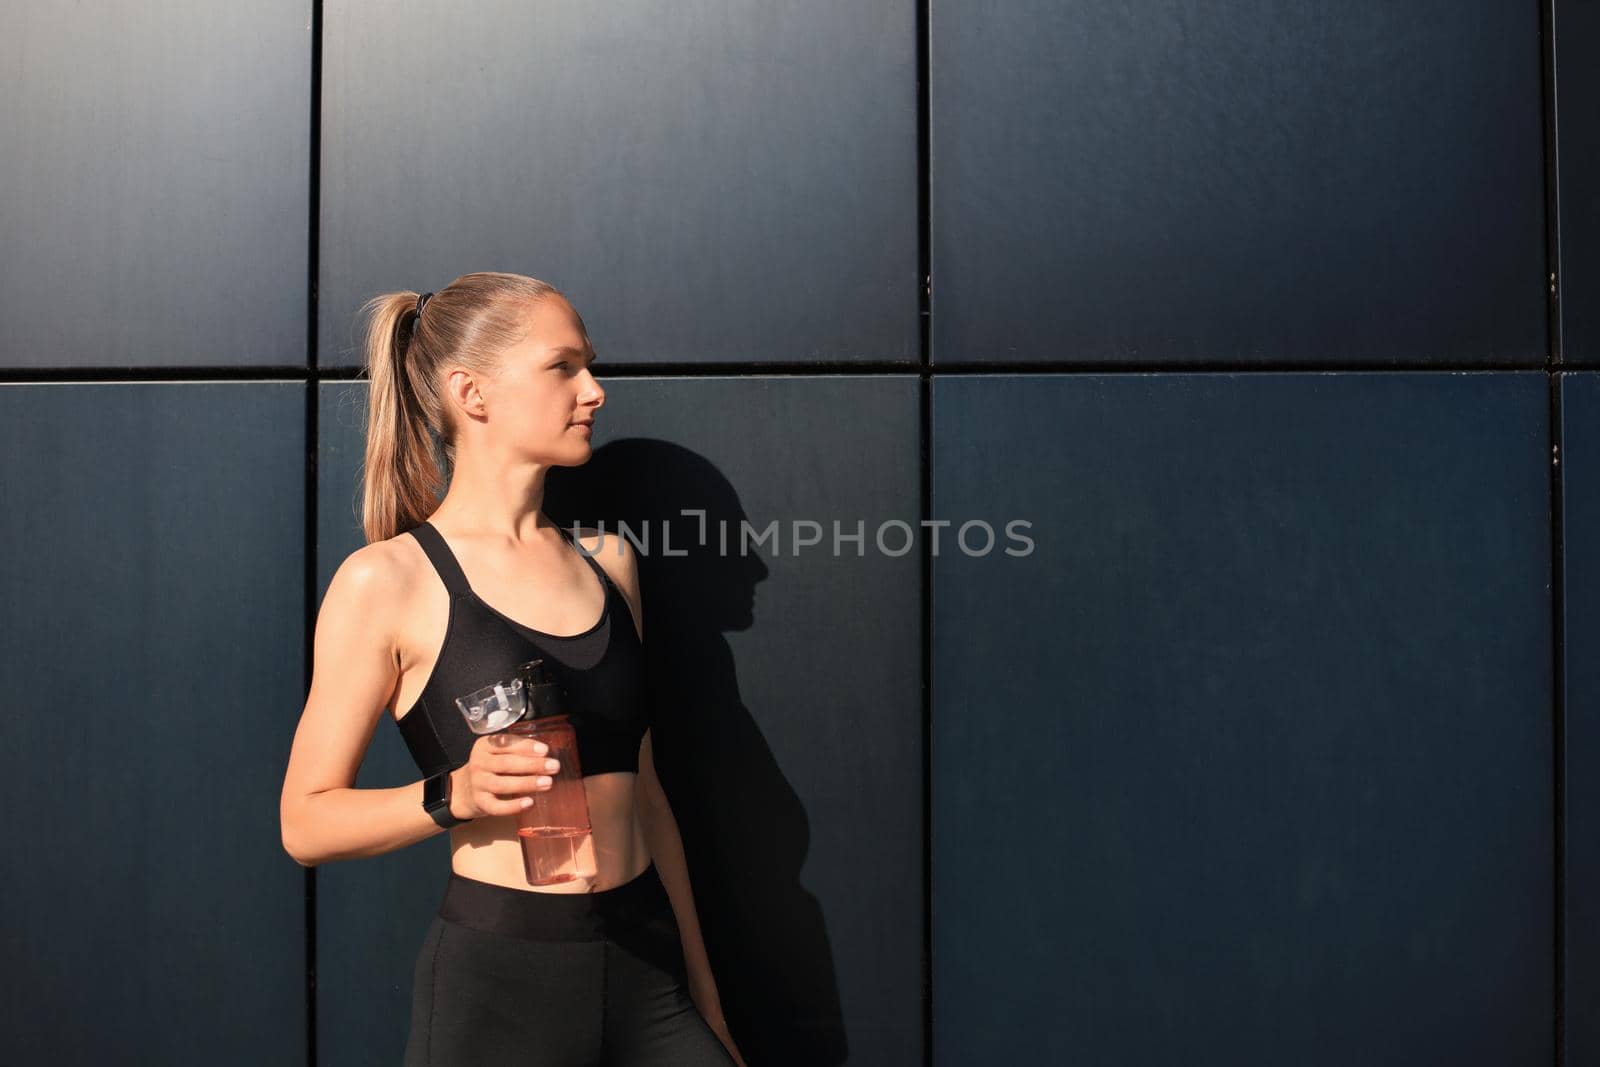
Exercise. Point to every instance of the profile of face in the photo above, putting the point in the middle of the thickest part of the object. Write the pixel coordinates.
(541, 400)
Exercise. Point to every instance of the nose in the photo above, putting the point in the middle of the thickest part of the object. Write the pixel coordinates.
(594, 392)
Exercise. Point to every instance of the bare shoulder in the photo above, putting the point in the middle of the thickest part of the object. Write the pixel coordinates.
(380, 568)
(376, 582)
(616, 554)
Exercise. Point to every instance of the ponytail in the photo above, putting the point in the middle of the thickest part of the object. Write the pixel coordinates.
(467, 324)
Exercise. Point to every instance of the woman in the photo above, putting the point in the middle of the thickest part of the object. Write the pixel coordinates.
(443, 600)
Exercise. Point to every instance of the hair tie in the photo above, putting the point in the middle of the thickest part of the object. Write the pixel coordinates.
(421, 300)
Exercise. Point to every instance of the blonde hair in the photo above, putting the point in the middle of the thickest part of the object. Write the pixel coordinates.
(468, 323)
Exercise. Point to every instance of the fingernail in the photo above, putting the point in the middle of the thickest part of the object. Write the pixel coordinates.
(542, 780)
(527, 802)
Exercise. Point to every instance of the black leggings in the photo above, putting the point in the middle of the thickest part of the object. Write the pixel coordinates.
(509, 976)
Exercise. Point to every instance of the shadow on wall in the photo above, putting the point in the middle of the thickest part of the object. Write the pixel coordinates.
(745, 831)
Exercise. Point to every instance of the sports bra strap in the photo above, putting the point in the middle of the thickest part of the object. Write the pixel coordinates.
(594, 564)
(443, 560)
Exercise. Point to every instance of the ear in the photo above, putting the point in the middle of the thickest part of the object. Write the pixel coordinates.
(461, 389)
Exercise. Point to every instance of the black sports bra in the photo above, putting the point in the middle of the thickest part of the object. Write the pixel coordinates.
(601, 671)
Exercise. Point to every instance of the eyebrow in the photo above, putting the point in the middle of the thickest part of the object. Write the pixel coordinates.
(568, 350)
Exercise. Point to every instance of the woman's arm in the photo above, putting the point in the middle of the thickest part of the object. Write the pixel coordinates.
(354, 669)
(666, 849)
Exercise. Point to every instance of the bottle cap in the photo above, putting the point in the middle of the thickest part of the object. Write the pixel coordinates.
(533, 673)
(544, 697)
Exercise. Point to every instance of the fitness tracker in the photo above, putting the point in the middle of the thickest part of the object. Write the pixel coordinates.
(436, 799)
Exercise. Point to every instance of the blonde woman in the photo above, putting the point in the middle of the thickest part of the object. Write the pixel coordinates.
(449, 596)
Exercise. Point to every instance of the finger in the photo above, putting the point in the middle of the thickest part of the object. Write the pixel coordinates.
(518, 743)
(513, 785)
(496, 803)
(519, 765)
(510, 763)
(490, 806)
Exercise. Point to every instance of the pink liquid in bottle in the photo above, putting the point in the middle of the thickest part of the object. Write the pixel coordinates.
(556, 842)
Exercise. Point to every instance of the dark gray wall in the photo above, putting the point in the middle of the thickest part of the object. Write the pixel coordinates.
(1260, 729)
(155, 184)
(1254, 182)
(730, 184)
(1580, 534)
(154, 597)
(1577, 35)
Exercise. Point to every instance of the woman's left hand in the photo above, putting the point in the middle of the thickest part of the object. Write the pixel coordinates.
(704, 994)
(720, 1028)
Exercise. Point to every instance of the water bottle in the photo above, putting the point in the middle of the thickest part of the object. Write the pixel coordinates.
(554, 831)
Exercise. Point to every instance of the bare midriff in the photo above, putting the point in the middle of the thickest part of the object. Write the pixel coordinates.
(488, 849)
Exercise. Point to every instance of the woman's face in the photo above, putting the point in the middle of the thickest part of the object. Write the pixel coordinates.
(542, 394)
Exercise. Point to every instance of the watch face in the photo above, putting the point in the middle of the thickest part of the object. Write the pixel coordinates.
(437, 790)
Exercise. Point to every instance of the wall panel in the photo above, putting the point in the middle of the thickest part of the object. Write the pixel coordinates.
(1580, 497)
(1250, 758)
(1253, 182)
(734, 183)
(152, 615)
(156, 184)
(1577, 36)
